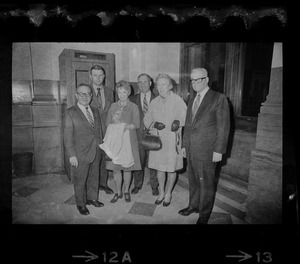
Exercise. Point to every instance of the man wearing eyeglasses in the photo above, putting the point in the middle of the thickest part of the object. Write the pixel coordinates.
(205, 141)
(82, 136)
(102, 99)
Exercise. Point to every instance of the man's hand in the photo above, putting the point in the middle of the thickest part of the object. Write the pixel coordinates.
(74, 161)
(175, 125)
(159, 125)
(217, 157)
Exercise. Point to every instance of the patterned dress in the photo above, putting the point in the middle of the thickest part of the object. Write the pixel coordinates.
(129, 114)
(166, 110)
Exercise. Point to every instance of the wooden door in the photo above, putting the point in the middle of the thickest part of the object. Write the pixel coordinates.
(74, 67)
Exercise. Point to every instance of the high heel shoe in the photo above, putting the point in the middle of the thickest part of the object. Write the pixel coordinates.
(167, 203)
(158, 202)
(127, 197)
(116, 197)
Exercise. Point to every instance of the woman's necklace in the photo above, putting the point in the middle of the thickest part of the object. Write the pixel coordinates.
(122, 103)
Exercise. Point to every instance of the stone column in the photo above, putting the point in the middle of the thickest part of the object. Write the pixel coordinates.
(264, 201)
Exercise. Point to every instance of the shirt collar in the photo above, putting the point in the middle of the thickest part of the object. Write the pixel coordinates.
(96, 87)
(148, 94)
(83, 108)
(203, 92)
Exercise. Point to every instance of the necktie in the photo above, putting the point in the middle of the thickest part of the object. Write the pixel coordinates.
(145, 105)
(90, 118)
(99, 98)
(196, 106)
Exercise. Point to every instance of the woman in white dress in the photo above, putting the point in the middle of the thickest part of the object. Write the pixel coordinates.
(166, 116)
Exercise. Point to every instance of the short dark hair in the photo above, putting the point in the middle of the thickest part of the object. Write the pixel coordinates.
(144, 74)
(97, 67)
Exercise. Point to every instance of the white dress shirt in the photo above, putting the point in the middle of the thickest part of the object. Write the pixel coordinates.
(202, 94)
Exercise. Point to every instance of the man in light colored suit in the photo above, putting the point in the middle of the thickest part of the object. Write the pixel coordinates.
(205, 141)
(82, 136)
(102, 99)
(143, 99)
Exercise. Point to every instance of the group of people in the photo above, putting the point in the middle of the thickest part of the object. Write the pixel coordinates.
(102, 136)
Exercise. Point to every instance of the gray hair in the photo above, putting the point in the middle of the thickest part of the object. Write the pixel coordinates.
(164, 76)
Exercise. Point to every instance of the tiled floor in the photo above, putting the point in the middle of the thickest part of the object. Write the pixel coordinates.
(49, 199)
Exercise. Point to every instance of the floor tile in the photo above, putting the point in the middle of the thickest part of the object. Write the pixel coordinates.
(231, 210)
(71, 200)
(183, 184)
(220, 218)
(25, 191)
(232, 194)
(144, 209)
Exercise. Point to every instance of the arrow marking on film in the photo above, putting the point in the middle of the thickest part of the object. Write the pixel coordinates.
(89, 258)
(243, 257)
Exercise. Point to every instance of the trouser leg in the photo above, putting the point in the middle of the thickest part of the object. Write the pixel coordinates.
(194, 184)
(153, 179)
(103, 171)
(93, 177)
(207, 188)
(79, 181)
(138, 176)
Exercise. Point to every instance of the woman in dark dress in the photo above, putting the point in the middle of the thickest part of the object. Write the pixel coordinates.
(124, 111)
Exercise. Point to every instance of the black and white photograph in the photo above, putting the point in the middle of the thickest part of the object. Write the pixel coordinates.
(220, 159)
(148, 133)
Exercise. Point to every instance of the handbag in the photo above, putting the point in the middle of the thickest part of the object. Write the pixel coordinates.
(151, 142)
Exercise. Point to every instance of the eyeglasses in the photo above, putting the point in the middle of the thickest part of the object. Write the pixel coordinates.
(84, 94)
(199, 80)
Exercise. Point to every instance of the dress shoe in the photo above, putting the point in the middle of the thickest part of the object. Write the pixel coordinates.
(158, 202)
(155, 192)
(116, 198)
(94, 203)
(127, 197)
(106, 189)
(187, 211)
(202, 221)
(83, 210)
(135, 190)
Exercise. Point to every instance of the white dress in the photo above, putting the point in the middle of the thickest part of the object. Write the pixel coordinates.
(169, 157)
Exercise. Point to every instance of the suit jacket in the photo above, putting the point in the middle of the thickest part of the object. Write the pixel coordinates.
(80, 139)
(137, 100)
(109, 99)
(208, 131)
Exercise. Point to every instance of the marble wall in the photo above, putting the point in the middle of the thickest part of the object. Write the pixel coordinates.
(264, 201)
(37, 108)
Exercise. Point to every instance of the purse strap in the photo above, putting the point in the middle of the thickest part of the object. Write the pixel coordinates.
(148, 129)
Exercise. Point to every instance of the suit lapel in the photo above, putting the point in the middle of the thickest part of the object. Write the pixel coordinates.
(189, 109)
(82, 116)
(152, 97)
(108, 101)
(204, 104)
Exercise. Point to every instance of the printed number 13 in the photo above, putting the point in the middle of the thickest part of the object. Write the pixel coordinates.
(266, 257)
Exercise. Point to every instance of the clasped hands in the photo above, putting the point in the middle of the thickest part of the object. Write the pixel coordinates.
(174, 127)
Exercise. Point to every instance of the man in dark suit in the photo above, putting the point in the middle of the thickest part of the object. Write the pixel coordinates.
(205, 141)
(82, 136)
(102, 99)
(143, 99)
